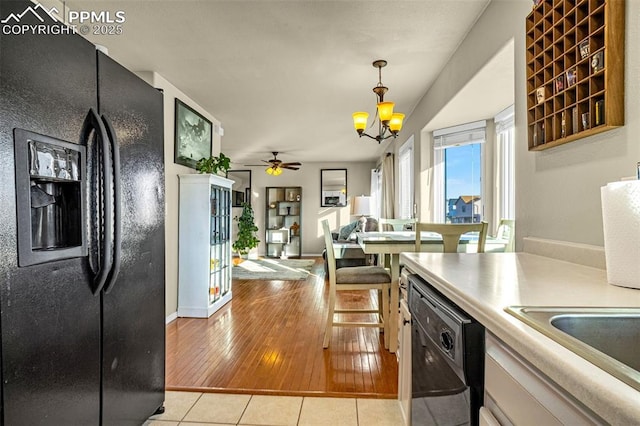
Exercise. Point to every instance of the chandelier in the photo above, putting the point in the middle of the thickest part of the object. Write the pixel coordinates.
(387, 119)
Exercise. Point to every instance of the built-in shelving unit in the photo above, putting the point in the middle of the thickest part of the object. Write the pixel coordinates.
(204, 255)
(575, 70)
(283, 221)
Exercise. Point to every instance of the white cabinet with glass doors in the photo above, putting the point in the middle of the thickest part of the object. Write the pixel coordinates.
(204, 268)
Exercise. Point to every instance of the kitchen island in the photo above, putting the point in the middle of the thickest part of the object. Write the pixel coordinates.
(485, 284)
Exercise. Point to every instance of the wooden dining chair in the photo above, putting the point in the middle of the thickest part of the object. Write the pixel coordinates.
(394, 224)
(451, 233)
(507, 231)
(361, 278)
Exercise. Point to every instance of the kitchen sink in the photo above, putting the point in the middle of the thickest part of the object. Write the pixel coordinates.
(606, 337)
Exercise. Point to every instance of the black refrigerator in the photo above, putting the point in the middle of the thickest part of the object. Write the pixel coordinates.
(82, 334)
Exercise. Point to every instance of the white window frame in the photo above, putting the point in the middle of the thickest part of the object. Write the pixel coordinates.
(505, 172)
(376, 192)
(406, 198)
(464, 134)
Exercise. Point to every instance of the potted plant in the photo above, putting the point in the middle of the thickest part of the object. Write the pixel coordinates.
(214, 164)
(246, 238)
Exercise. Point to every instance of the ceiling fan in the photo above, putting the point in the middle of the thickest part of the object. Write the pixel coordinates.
(276, 166)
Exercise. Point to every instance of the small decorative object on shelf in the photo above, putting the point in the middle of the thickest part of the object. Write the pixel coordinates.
(294, 228)
(298, 197)
(575, 121)
(597, 62)
(540, 95)
(584, 48)
(599, 107)
(571, 77)
(563, 125)
(559, 84)
(585, 121)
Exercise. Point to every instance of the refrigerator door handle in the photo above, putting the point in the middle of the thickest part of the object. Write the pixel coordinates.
(93, 122)
(117, 196)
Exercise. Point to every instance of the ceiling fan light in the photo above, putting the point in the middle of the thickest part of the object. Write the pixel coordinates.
(395, 124)
(277, 171)
(360, 121)
(269, 170)
(385, 111)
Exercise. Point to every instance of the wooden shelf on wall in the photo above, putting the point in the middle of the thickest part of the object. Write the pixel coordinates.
(575, 70)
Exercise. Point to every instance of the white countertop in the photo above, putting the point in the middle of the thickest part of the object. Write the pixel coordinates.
(484, 284)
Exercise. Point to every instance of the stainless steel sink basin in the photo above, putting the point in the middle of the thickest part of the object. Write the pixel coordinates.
(607, 337)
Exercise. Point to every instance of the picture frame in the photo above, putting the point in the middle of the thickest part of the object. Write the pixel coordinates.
(193, 135)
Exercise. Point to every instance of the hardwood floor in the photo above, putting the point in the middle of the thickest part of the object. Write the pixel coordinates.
(268, 340)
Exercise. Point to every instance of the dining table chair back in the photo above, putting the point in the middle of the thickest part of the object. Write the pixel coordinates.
(360, 278)
(394, 224)
(507, 231)
(451, 233)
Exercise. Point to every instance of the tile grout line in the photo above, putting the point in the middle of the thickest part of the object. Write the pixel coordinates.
(190, 408)
(245, 410)
(300, 411)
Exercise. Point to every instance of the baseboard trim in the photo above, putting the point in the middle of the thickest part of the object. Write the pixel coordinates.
(171, 317)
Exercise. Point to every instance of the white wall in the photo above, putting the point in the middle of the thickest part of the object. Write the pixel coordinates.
(557, 190)
(172, 171)
(308, 177)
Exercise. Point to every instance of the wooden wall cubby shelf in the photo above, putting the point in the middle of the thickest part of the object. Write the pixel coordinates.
(575, 70)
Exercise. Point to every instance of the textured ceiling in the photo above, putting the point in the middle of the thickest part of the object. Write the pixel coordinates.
(286, 75)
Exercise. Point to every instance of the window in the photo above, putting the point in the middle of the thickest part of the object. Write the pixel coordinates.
(505, 174)
(405, 184)
(458, 173)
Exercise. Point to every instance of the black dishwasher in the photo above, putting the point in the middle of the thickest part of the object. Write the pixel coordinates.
(447, 359)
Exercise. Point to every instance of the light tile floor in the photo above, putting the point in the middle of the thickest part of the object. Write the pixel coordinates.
(196, 409)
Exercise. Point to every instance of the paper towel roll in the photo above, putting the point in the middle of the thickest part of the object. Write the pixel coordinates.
(621, 223)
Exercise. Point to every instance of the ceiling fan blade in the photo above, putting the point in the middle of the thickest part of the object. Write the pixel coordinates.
(290, 164)
(290, 168)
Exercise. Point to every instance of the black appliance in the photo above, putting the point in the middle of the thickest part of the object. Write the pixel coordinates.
(447, 359)
(81, 231)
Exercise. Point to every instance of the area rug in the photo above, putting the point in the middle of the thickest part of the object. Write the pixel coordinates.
(273, 269)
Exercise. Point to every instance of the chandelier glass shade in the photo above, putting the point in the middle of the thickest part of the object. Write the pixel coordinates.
(389, 122)
(274, 170)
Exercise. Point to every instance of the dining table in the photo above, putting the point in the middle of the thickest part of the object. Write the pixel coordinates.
(389, 244)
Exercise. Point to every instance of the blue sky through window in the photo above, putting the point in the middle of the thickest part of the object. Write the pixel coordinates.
(462, 171)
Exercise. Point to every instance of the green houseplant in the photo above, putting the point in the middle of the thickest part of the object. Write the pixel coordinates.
(214, 164)
(246, 239)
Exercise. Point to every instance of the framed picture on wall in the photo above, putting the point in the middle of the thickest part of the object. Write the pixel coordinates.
(193, 135)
